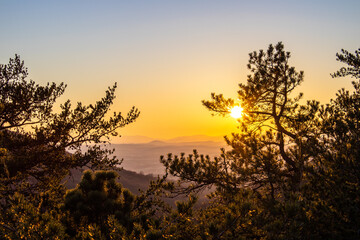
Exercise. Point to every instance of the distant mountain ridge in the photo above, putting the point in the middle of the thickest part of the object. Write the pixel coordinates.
(145, 157)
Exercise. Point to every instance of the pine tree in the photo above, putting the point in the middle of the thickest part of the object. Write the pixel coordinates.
(35, 142)
(265, 170)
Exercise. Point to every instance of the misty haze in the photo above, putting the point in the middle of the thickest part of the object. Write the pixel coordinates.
(145, 157)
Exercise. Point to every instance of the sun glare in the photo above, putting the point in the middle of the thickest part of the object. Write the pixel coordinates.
(236, 112)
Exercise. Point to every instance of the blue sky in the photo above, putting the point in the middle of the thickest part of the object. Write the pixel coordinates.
(169, 55)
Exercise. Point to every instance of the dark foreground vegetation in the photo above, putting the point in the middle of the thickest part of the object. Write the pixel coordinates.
(292, 171)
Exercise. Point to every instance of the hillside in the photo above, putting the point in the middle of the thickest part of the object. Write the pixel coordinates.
(134, 182)
(129, 179)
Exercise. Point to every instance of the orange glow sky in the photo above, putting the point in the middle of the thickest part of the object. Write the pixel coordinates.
(167, 56)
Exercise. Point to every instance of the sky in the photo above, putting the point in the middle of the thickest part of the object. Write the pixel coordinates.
(167, 56)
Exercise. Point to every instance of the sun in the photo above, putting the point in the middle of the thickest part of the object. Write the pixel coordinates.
(236, 112)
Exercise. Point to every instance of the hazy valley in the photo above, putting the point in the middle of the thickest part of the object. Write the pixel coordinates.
(145, 157)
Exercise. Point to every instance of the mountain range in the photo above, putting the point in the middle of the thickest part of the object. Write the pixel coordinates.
(145, 157)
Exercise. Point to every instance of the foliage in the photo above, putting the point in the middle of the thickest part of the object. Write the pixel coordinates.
(98, 196)
(100, 205)
(293, 170)
(353, 62)
(24, 220)
(335, 182)
(24, 102)
(35, 141)
(292, 167)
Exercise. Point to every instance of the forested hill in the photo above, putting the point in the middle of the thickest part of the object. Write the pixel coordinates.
(129, 179)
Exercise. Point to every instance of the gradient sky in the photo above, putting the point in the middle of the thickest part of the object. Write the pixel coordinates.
(167, 56)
